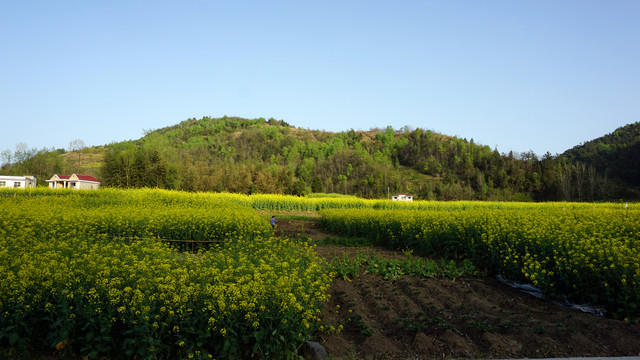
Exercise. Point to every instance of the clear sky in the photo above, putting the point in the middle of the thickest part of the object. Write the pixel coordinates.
(541, 75)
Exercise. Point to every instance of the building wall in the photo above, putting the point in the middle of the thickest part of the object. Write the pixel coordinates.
(79, 185)
(72, 182)
(87, 185)
(402, 197)
(23, 181)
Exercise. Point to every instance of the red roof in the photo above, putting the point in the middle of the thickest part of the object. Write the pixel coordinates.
(80, 177)
(87, 178)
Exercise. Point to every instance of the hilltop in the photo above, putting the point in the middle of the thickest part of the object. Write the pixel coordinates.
(271, 156)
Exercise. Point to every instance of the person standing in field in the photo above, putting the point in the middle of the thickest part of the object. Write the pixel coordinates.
(273, 222)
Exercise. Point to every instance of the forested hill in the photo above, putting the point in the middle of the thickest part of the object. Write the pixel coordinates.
(616, 154)
(270, 156)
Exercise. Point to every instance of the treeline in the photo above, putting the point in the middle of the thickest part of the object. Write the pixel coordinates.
(269, 156)
(43, 163)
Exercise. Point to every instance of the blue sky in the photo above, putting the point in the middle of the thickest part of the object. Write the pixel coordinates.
(541, 75)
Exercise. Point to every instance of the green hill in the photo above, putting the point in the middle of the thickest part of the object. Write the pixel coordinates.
(270, 156)
(616, 154)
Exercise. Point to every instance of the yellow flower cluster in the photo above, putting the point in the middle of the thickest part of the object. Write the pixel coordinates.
(588, 252)
(88, 271)
(140, 213)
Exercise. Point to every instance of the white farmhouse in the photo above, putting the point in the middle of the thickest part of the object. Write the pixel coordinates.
(18, 182)
(402, 197)
(73, 181)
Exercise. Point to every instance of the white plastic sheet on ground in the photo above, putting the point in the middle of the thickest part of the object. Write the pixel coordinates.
(534, 291)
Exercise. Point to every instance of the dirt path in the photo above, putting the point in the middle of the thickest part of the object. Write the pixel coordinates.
(425, 318)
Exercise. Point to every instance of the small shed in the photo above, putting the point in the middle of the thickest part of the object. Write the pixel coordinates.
(74, 181)
(18, 182)
(402, 197)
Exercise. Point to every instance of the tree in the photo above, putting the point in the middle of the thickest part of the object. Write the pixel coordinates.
(43, 164)
(22, 153)
(118, 167)
(564, 181)
(591, 182)
(77, 145)
(581, 172)
(316, 185)
(6, 157)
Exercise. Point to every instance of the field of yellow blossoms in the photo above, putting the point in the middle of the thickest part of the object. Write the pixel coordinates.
(585, 253)
(105, 274)
(88, 274)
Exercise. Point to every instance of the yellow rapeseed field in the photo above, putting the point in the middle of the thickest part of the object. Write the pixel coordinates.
(101, 273)
(86, 273)
(589, 253)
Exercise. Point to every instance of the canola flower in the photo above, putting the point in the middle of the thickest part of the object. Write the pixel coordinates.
(586, 252)
(85, 273)
(278, 202)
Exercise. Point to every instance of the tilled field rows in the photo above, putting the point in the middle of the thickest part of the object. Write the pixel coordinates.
(467, 318)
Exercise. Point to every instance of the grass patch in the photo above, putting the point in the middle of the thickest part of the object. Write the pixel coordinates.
(348, 268)
(284, 216)
(343, 241)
